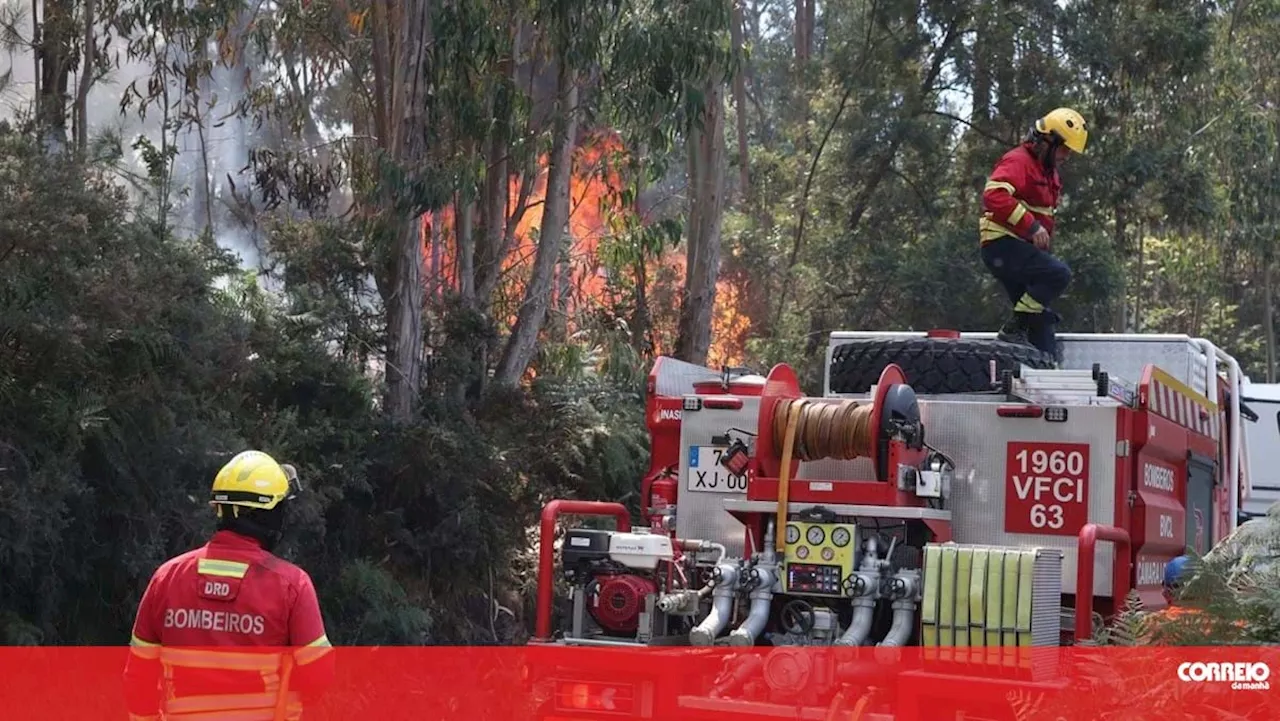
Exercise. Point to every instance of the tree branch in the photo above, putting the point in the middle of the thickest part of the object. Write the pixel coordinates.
(984, 133)
(867, 47)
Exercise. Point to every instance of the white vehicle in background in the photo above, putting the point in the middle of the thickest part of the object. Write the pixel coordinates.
(1261, 406)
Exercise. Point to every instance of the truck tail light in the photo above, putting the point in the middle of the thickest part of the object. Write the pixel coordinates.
(724, 403)
(599, 697)
(1019, 411)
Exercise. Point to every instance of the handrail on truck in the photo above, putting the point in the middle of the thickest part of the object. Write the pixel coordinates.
(546, 539)
(1088, 538)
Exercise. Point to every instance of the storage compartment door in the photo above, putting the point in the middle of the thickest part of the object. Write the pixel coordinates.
(1200, 475)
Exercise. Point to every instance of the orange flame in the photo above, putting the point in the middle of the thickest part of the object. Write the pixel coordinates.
(729, 325)
(581, 288)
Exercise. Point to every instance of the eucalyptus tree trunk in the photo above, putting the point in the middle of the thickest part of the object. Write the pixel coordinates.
(55, 54)
(523, 343)
(1269, 319)
(706, 147)
(499, 227)
(86, 80)
(740, 103)
(402, 34)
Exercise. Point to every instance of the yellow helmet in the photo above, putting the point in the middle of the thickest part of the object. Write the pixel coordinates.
(253, 479)
(1068, 125)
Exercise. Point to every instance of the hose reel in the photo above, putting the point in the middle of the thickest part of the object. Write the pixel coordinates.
(794, 429)
(840, 430)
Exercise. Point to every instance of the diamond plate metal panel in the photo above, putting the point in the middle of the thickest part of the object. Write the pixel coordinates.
(977, 439)
(701, 514)
(1126, 358)
(676, 377)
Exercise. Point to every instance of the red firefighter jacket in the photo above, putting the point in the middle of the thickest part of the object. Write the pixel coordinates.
(227, 625)
(1019, 195)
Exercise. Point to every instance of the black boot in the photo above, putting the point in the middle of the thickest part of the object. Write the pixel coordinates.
(1052, 319)
(1015, 330)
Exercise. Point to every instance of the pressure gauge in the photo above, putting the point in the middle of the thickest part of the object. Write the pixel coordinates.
(816, 535)
(828, 553)
(840, 537)
(802, 552)
(793, 533)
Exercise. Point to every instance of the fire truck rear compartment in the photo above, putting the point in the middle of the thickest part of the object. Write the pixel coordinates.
(960, 526)
(972, 434)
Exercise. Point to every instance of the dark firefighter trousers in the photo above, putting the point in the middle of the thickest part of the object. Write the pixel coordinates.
(1022, 268)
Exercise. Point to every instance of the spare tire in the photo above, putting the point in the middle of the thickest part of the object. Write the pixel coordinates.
(932, 365)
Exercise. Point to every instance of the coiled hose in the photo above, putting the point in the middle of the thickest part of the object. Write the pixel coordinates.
(840, 430)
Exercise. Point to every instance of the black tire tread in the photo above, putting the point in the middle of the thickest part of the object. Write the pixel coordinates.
(932, 365)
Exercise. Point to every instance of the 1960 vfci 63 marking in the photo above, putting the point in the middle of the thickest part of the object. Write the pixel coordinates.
(706, 473)
(1046, 488)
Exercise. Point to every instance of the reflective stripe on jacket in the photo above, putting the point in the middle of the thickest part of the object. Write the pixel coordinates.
(1018, 195)
(221, 630)
(273, 668)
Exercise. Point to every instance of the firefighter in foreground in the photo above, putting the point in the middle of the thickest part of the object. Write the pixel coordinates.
(1171, 622)
(1186, 621)
(1016, 229)
(229, 630)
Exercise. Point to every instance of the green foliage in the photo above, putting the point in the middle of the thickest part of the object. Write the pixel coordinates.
(133, 361)
(1233, 588)
(1228, 598)
(1127, 625)
(133, 365)
(116, 359)
(657, 60)
(373, 608)
(1096, 277)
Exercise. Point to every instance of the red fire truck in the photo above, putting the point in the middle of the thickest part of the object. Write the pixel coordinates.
(945, 491)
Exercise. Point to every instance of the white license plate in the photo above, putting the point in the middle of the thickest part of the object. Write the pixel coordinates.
(707, 475)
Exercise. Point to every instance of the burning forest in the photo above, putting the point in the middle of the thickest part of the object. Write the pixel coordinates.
(603, 277)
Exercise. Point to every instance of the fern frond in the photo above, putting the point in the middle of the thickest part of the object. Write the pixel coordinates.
(1026, 706)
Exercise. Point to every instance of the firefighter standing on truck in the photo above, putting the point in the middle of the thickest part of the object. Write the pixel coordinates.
(1016, 229)
(229, 630)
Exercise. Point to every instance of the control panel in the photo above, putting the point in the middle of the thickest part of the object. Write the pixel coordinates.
(820, 555)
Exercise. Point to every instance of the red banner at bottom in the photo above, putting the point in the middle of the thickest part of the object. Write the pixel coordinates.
(562, 683)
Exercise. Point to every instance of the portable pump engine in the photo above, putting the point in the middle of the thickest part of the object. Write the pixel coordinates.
(616, 574)
(643, 587)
